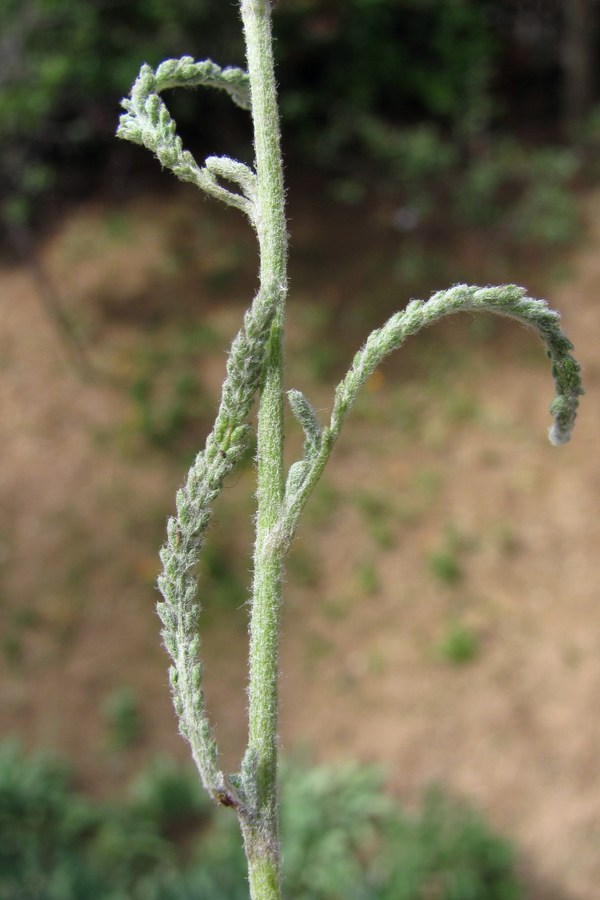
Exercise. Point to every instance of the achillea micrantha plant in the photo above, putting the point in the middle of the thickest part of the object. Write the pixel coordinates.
(255, 366)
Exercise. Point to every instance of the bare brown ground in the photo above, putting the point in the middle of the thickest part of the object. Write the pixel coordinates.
(516, 730)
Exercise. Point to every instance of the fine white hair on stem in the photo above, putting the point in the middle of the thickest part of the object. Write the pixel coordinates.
(255, 367)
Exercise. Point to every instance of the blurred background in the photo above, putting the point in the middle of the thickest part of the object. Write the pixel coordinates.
(441, 626)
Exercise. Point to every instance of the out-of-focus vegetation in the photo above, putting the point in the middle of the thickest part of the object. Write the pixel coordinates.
(65, 65)
(344, 838)
(424, 93)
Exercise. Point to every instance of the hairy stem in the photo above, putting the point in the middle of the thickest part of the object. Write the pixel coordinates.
(259, 769)
(256, 365)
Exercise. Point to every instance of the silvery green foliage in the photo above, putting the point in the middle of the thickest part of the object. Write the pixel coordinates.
(147, 121)
(180, 610)
(507, 300)
(256, 365)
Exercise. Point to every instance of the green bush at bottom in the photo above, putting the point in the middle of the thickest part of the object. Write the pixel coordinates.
(343, 839)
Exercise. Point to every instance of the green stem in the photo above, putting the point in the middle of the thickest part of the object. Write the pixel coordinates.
(259, 769)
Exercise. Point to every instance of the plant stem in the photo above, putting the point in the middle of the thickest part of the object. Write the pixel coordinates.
(259, 770)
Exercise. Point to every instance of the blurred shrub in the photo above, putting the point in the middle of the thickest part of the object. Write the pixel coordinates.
(459, 645)
(64, 66)
(170, 796)
(525, 192)
(222, 578)
(344, 839)
(123, 718)
(413, 60)
(413, 110)
(167, 401)
(66, 63)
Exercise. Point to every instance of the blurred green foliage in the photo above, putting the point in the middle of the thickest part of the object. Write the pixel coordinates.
(409, 87)
(459, 644)
(411, 94)
(64, 67)
(344, 839)
(223, 581)
(166, 397)
(535, 182)
(378, 517)
(446, 567)
(69, 59)
(345, 63)
(123, 718)
(167, 402)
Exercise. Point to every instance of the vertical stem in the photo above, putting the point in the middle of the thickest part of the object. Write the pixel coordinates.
(259, 769)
